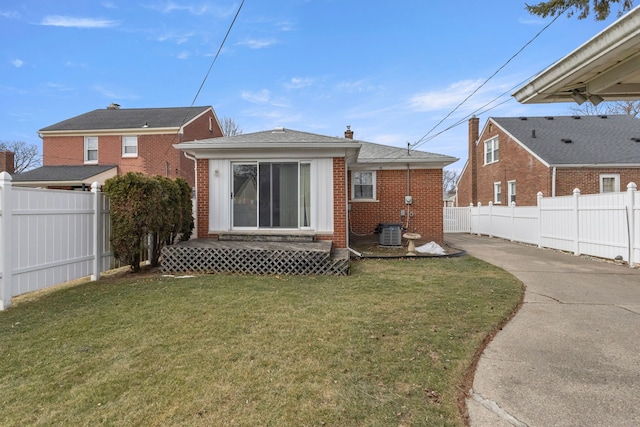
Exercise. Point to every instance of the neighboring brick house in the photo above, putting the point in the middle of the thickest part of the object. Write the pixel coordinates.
(129, 140)
(514, 158)
(288, 182)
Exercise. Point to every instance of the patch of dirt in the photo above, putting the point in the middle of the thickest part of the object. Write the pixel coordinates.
(369, 246)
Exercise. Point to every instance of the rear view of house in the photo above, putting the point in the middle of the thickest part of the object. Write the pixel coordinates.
(296, 183)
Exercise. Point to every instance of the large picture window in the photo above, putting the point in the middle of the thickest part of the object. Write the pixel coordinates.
(363, 185)
(272, 195)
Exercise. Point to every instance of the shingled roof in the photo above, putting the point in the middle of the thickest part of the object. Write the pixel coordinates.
(129, 118)
(369, 153)
(578, 140)
(62, 173)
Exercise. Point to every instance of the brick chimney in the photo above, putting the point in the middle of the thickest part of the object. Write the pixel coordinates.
(474, 129)
(348, 133)
(7, 159)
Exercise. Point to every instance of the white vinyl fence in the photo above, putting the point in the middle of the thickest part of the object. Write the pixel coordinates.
(601, 225)
(49, 237)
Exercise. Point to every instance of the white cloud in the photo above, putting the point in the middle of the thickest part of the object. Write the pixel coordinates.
(261, 97)
(17, 62)
(70, 21)
(257, 43)
(359, 86)
(10, 14)
(285, 26)
(194, 9)
(299, 83)
(114, 94)
(177, 38)
(445, 98)
(109, 5)
(183, 55)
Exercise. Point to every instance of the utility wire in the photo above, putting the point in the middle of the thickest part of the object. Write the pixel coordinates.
(485, 82)
(217, 53)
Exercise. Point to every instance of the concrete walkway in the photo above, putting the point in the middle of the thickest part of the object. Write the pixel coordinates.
(571, 355)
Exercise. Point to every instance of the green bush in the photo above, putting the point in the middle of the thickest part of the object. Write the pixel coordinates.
(144, 206)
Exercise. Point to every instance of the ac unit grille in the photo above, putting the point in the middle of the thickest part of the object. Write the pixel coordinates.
(390, 234)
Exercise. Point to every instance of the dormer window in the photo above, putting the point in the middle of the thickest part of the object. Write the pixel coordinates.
(491, 151)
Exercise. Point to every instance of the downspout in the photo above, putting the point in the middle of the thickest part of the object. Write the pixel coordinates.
(553, 182)
(408, 194)
(195, 191)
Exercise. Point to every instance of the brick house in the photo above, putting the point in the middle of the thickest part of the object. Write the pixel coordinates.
(283, 181)
(514, 158)
(107, 142)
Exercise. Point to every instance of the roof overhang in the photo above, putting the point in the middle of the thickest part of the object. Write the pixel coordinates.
(608, 65)
(101, 132)
(100, 178)
(265, 150)
(403, 164)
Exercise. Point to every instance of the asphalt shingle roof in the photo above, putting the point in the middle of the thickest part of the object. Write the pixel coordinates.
(594, 139)
(128, 118)
(369, 151)
(62, 173)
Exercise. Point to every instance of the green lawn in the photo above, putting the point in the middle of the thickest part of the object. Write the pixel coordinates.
(388, 345)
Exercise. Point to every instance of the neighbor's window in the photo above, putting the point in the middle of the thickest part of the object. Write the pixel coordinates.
(497, 192)
(129, 146)
(512, 191)
(363, 185)
(610, 183)
(491, 151)
(91, 149)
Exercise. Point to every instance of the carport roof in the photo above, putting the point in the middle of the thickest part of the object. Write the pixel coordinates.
(608, 65)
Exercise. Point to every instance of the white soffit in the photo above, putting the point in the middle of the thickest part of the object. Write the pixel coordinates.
(608, 65)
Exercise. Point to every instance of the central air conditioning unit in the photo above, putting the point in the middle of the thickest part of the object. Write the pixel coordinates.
(390, 234)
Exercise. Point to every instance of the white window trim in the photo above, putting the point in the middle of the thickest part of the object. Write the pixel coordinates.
(125, 154)
(497, 186)
(510, 194)
(495, 146)
(616, 181)
(353, 187)
(86, 149)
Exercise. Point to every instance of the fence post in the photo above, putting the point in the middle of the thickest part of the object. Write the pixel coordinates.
(97, 231)
(631, 190)
(576, 217)
(512, 205)
(6, 262)
(479, 219)
(539, 201)
(490, 219)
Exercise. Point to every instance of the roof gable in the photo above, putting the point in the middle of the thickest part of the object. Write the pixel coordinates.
(359, 152)
(128, 118)
(577, 140)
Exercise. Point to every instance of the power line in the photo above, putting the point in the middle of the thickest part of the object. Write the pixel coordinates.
(217, 53)
(486, 81)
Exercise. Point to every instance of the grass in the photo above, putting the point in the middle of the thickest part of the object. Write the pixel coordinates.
(389, 345)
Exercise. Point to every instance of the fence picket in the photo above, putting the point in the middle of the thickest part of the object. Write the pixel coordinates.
(601, 225)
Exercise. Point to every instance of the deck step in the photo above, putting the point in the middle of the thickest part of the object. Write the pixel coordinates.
(297, 238)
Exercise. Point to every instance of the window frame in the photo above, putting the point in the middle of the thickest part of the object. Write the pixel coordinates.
(497, 193)
(511, 191)
(373, 185)
(491, 149)
(87, 149)
(616, 182)
(124, 145)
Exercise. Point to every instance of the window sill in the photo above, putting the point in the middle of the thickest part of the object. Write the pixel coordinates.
(364, 201)
(129, 156)
(90, 162)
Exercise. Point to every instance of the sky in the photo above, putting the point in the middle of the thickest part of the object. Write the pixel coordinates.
(394, 71)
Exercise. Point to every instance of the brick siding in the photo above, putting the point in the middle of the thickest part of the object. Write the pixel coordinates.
(423, 216)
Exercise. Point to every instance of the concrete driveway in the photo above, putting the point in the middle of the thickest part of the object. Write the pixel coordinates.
(571, 355)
